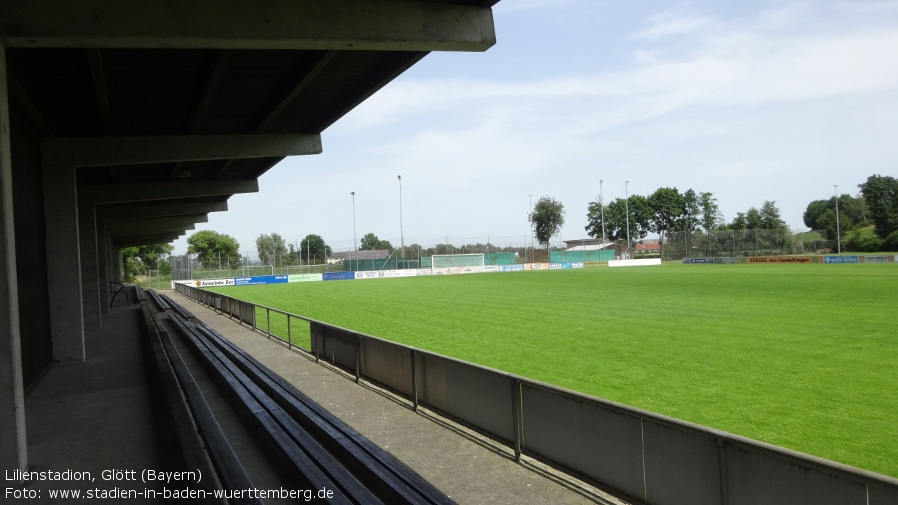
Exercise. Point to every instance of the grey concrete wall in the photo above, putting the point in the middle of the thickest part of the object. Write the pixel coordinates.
(584, 437)
(477, 396)
(388, 364)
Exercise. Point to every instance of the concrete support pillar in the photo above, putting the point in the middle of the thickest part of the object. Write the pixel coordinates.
(63, 255)
(91, 291)
(105, 259)
(113, 259)
(13, 446)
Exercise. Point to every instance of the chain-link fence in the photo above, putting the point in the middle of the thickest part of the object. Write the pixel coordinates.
(736, 243)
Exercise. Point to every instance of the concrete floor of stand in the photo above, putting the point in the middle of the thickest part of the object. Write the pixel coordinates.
(97, 416)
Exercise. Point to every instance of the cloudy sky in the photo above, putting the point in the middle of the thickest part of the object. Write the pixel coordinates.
(750, 100)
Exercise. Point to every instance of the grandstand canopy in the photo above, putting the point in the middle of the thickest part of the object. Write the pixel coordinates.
(124, 123)
(225, 89)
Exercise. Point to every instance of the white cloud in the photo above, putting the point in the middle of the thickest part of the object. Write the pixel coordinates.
(668, 24)
(770, 105)
(738, 69)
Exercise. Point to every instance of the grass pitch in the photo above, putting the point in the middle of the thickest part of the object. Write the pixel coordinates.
(801, 356)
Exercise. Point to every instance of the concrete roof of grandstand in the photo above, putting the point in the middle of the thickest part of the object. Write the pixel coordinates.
(169, 108)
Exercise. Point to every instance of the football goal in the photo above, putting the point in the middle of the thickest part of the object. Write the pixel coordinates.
(442, 264)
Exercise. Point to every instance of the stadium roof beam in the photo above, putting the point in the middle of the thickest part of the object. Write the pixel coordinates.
(153, 238)
(125, 193)
(151, 232)
(116, 212)
(141, 150)
(269, 24)
(157, 223)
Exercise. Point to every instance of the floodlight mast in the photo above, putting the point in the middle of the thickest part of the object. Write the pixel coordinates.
(354, 251)
(602, 207)
(627, 206)
(401, 236)
(838, 231)
(530, 218)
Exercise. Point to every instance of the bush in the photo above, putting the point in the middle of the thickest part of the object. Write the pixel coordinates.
(869, 244)
(891, 242)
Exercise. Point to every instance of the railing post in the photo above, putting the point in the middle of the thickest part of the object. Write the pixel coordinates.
(289, 339)
(723, 471)
(358, 357)
(413, 354)
(268, 322)
(320, 340)
(516, 418)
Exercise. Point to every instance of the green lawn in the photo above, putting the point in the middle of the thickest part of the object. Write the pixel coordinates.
(801, 356)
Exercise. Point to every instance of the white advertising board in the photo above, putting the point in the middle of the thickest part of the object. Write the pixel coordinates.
(634, 263)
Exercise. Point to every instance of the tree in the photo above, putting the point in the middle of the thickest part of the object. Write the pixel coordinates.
(711, 216)
(270, 248)
(140, 259)
(547, 219)
(691, 212)
(314, 246)
(640, 217)
(767, 218)
(854, 208)
(753, 219)
(594, 224)
(881, 196)
(668, 207)
(739, 222)
(770, 217)
(210, 246)
(813, 212)
(616, 218)
(827, 221)
(370, 242)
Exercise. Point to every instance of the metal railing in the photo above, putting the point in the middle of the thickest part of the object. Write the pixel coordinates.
(640, 455)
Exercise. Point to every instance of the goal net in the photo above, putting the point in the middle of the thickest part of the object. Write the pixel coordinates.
(443, 264)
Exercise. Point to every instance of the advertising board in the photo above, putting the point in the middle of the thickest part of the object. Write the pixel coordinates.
(261, 279)
(634, 263)
(337, 276)
(304, 277)
(879, 258)
(840, 259)
(753, 260)
(205, 283)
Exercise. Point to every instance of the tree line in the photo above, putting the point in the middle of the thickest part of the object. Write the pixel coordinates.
(875, 205)
(668, 210)
(664, 211)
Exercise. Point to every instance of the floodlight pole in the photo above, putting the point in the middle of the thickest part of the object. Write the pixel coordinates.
(401, 236)
(838, 230)
(530, 218)
(354, 252)
(602, 206)
(627, 207)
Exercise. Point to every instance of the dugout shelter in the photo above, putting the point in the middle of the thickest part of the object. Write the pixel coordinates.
(124, 123)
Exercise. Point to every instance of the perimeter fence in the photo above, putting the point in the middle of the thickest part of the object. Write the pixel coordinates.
(503, 250)
(736, 243)
(636, 454)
